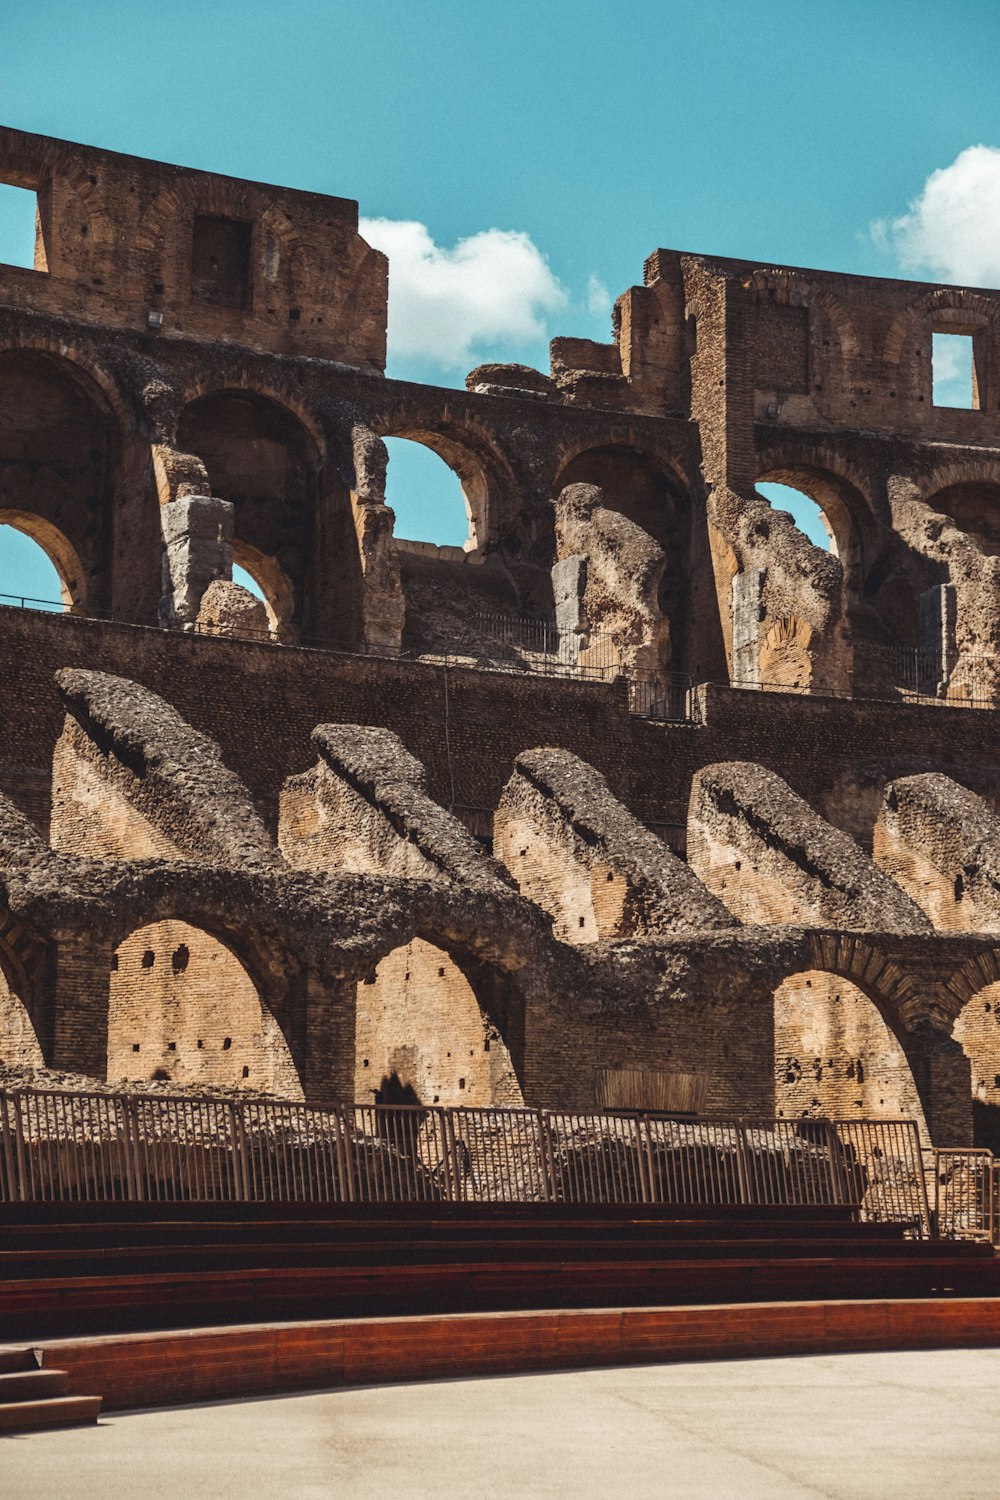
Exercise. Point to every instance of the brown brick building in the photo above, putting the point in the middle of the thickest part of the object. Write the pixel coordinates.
(785, 881)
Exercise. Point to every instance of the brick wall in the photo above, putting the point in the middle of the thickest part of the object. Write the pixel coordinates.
(183, 1008)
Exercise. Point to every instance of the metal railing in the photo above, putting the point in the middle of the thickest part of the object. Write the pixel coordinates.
(965, 1194)
(905, 674)
(60, 1146)
(667, 697)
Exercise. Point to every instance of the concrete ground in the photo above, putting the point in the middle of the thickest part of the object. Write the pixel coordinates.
(851, 1426)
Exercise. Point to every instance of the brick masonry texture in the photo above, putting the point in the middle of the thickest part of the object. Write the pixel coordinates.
(282, 846)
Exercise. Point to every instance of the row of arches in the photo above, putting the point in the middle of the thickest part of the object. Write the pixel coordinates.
(77, 488)
(183, 1008)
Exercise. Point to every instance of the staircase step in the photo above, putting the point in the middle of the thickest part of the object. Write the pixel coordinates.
(32, 1385)
(61, 1411)
(14, 1361)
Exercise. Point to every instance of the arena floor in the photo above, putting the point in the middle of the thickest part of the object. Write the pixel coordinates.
(883, 1426)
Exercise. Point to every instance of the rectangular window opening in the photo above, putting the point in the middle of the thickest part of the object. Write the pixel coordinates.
(20, 242)
(954, 371)
(220, 261)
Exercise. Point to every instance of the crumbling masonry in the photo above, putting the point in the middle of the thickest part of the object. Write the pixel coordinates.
(359, 841)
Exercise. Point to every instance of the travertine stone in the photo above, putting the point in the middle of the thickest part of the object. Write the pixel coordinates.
(197, 550)
(227, 608)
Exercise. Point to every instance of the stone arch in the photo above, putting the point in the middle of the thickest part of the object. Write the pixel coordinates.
(184, 1008)
(273, 582)
(291, 513)
(60, 552)
(968, 493)
(50, 169)
(277, 250)
(426, 1033)
(60, 475)
(970, 308)
(482, 473)
(836, 1053)
(843, 499)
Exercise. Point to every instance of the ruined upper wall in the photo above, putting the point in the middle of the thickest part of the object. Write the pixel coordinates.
(135, 244)
(801, 348)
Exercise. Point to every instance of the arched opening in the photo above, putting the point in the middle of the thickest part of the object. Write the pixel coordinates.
(828, 510)
(975, 509)
(433, 499)
(836, 1056)
(293, 530)
(57, 468)
(977, 1031)
(642, 489)
(183, 1009)
(809, 517)
(19, 1045)
(422, 1036)
(268, 582)
(29, 574)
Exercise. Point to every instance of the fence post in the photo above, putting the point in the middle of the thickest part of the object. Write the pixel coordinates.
(742, 1164)
(240, 1152)
(647, 1163)
(19, 1147)
(11, 1173)
(133, 1166)
(838, 1184)
(548, 1158)
(929, 1224)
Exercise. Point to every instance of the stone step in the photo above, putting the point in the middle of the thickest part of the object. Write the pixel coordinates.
(61, 1411)
(32, 1385)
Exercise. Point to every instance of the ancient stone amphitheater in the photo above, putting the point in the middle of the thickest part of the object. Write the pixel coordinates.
(639, 799)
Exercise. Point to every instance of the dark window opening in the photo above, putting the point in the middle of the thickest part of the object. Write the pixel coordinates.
(180, 958)
(220, 261)
(148, 959)
(20, 239)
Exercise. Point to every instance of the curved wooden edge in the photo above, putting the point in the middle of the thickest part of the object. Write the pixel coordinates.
(166, 1369)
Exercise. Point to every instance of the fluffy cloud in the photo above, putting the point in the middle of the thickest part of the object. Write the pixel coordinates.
(494, 288)
(598, 297)
(952, 230)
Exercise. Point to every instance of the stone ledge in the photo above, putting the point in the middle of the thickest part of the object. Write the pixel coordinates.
(193, 1366)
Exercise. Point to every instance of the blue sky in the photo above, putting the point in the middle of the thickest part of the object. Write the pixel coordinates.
(584, 133)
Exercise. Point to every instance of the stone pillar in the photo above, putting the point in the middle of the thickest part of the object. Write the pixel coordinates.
(943, 1076)
(328, 1072)
(382, 602)
(83, 990)
(197, 539)
(748, 611)
(938, 650)
(569, 583)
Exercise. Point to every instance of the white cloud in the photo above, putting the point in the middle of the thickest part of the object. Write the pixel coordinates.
(951, 231)
(493, 288)
(598, 297)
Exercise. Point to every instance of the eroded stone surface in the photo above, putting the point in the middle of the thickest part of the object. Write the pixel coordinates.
(941, 844)
(577, 852)
(765, 853)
